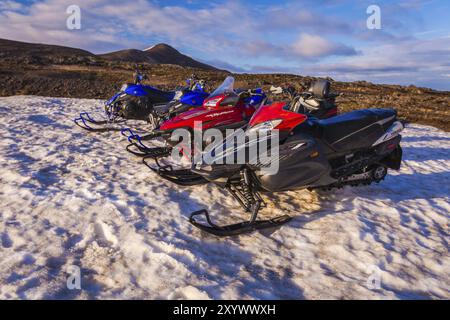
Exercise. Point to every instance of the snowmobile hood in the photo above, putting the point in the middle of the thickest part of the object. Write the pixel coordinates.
(114, 97)
(194, 98)
(285, 120)
(208, 117)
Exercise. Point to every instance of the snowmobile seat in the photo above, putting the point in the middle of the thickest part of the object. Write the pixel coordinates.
(158, 96)
(356, 129)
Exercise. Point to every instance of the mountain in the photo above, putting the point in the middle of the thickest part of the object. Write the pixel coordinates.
(166, 54)
(36, 53)
(158, 54)
(129, 55)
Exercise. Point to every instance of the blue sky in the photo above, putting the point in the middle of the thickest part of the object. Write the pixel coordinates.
(321, 37)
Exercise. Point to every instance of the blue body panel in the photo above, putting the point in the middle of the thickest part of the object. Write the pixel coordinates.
(141, 90)
(194, 98)
(255, 99)
(114, 97)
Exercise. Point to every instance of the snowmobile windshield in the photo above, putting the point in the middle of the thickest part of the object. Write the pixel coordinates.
(226, 86)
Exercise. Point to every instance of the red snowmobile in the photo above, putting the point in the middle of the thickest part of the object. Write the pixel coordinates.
(224, 109)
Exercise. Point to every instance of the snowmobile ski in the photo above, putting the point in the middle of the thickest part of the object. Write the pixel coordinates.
(86, 122)
(138, 148)
(251, 201)
(237, 228)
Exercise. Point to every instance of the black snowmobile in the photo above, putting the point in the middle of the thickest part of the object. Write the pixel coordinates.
(350, 149)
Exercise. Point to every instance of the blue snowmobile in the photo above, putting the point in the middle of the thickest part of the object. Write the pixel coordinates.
(136, 101)
(190, 96)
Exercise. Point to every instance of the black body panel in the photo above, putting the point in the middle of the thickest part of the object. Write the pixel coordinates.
(355, 130)
(140, 107)
(299, 165)
(158, 96)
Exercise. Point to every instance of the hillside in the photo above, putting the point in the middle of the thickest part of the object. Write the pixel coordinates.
(43, 70)
(165, 54)
(158, 54)
(129, 55)
(17, 53)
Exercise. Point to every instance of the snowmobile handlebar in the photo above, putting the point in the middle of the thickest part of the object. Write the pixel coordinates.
(250, 92)
(138, 75)
(293, 93)
(290, 91)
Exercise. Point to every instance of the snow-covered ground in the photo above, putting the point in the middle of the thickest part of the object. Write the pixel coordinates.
(68, 197)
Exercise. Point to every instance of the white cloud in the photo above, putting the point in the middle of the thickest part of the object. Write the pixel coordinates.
(307, 46)
(313, 46)
(232, 32)
(116, 23)
(10, 5)
(415, 61)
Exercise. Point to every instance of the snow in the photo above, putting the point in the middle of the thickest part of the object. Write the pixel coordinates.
(68, 197)
(150, 48)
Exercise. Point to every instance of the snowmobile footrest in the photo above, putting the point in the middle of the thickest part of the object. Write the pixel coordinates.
(182, 177)
(237, 228)
(133, 137)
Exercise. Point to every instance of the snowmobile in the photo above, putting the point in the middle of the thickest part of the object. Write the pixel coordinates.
(186, 98)
(136, 101)
(350, 149)
(224, 109)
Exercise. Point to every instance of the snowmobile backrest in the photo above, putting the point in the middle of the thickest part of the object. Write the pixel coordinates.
(320, 89)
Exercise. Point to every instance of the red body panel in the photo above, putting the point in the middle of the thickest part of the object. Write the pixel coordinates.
(210, 117)
(275, 111)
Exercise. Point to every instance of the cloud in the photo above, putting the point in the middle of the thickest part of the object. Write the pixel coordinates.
(8, 5)
(45, 22)
(313, 46)
(424, 62)
(297, 16)
(307, 46)
(313, 36)
(113, 24)
(224, 65)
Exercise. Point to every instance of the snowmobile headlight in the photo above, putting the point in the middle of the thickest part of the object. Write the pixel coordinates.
(176, 106)
(266, 126)
(124, 87)
(212, 102)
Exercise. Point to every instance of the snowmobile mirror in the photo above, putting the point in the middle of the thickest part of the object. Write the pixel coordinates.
(276, 90)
